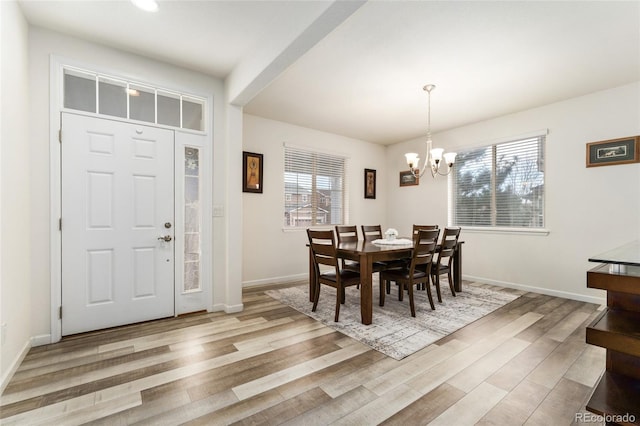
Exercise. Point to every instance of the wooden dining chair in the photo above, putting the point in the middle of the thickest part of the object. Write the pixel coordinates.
(323, 248)
(433, 235)
(444, 260)
(432, 232)
(423, 252)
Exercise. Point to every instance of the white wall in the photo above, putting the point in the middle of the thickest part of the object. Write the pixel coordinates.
(588, 210)
(43, 44)
(15, 211)
(270, 254)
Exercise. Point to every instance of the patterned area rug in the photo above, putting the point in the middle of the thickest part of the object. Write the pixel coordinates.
(393, 331)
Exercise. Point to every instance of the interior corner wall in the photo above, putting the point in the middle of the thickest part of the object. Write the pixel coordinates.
(271, 254)
(15, 211)
(588, 210)
(44, 43)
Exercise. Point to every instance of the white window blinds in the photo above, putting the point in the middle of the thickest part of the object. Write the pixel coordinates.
(501, 185)
(315, 188)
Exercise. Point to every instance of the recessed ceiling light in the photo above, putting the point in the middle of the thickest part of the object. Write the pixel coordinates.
(146, 5)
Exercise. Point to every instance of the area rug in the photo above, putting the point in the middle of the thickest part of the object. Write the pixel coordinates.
(393, 331)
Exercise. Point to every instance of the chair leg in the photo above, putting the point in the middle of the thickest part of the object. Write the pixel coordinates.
(453, 291)
(400, 286)
(338, 293)
(411, 304)
(388, 287)
(342, 295)
(382, 292)
(430, 298)
(437, 284)
(316, 297)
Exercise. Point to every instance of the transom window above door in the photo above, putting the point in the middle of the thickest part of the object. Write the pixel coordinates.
(111, 96)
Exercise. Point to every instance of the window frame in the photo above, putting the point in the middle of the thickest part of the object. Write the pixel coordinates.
(315, 200)
(129, 86)
(493, 228)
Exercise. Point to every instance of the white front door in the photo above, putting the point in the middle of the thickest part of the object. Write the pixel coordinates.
(117, 205)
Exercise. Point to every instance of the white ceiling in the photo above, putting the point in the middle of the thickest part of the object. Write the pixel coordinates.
(364, 79)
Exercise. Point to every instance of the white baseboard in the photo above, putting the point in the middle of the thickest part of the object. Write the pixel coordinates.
(229, 309)
(6, 377)
(541, 290)
(276, 280)
(43, 339)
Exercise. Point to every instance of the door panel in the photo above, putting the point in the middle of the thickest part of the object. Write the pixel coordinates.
(117, 195)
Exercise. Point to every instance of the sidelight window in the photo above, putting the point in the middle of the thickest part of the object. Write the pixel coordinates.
(192, 219)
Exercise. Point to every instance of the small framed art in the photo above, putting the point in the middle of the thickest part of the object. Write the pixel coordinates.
(369, 183)
(614, 151)
(408, 179)
(252, 165)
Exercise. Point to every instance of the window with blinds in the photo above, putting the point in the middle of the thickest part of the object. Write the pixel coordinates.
(315, 188)
(501, 185)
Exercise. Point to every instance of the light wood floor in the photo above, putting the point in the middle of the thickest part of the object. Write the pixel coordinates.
(526, 363)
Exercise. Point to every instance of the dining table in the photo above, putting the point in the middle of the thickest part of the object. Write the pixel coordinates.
(366, 253)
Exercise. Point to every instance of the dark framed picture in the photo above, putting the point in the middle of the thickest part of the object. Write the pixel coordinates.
(369, 183)
(614, 151)
(408, 179)
(252, 165)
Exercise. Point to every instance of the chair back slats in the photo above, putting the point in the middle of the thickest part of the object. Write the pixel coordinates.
(347, 233)
(371, 232)
(323, 247)
(424, 248)
(324, 255)
(447, 248)
(449, 242)
(417, 228)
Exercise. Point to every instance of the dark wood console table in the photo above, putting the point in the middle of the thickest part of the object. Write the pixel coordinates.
(617, 395)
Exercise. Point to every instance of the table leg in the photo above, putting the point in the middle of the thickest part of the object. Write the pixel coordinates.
(457, 268)
(312, 276)
(366, 290)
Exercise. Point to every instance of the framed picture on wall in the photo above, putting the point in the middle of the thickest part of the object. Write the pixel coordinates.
(408, 179)
(252, 165)
(369, 183)
(614, 151)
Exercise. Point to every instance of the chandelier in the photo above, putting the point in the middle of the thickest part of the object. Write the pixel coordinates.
(434, 156)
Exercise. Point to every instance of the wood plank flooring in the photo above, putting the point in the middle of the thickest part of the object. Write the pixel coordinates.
(526, 363)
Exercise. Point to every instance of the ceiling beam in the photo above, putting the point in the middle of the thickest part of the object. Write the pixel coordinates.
(256, 72)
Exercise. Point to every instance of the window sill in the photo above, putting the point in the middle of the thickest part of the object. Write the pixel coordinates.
(498, 230)
(292, 229)
(304, 229)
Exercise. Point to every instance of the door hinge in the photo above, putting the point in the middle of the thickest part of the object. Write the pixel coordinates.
(60, 224)
(60, 135)
(60, 312)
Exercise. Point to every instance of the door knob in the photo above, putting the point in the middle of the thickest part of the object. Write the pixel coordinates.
(166, 238)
